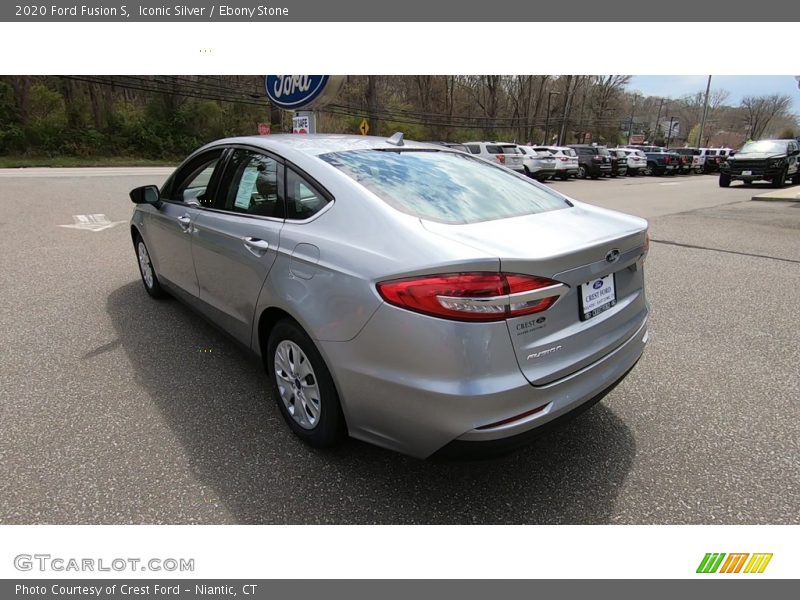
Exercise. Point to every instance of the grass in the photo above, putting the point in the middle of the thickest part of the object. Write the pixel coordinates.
(11, 162)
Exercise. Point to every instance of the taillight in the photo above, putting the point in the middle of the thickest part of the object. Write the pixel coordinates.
(667, 160)
(597, 158)
(473, 296)
(501, 158)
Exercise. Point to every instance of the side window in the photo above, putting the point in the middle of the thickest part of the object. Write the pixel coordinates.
(303, 199)
(192, 182)
(253, 185)
(473, 149)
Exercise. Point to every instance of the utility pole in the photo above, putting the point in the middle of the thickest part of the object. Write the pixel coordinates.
(567, 104)
(550, 94)
(669, 134)
(705, 114)
(630, 122)
(658, 118)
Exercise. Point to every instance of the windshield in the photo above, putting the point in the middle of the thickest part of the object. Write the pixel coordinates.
(446, 187)
(765, 146)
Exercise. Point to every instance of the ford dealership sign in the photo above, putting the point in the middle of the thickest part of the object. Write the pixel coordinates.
(298, 92)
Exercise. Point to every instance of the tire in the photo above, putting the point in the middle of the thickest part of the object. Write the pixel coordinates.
(796, 178)
(295, 365)
(149, 278)
(780, 180)
(581, 172)
(649, 169)
(724, 180)
(527, 171)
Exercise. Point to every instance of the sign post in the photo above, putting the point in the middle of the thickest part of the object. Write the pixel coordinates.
(302, 94)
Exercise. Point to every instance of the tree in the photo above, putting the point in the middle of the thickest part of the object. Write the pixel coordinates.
(761, 110)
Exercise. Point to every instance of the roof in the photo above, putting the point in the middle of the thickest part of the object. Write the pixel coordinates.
(316, 144)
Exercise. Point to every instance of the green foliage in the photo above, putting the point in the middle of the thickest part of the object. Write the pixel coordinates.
(693, 138)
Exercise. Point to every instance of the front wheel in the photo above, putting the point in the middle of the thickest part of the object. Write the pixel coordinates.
(724, 180)
(303, 387)
(146, 270)
(780, 180)
(796, 178)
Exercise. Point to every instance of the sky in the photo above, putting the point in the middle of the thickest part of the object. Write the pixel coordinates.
(675, 86)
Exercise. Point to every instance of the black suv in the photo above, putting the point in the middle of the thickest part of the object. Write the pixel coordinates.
(765, 160)
(593, 161)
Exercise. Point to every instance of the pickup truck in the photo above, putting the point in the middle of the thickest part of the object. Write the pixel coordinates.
(766, 160)
(660, 161)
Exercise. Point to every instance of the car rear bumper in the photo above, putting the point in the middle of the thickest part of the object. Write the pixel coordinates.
(414, 385)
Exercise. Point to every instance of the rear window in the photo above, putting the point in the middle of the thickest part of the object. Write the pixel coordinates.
(602, 152)
(446, 187)
(510, 150)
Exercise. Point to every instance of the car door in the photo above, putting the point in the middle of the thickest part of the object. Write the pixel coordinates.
(168, 230)
(236, 240)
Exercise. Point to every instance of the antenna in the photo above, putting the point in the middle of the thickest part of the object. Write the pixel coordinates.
(396, 139)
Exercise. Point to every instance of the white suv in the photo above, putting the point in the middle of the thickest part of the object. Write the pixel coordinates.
(637, 160)
(538, 163)
(503, 153)
(566, 160)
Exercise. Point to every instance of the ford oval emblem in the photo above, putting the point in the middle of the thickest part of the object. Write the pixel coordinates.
(598, 284)
(294, 91)
(612, 256)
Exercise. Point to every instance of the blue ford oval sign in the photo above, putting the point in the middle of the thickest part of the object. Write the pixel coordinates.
(294, 92)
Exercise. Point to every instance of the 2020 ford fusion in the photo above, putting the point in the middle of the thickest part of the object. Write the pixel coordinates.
(406, 294)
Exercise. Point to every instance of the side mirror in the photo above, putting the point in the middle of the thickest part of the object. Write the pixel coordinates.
(147, 194)
(795, 153)
(731, 154)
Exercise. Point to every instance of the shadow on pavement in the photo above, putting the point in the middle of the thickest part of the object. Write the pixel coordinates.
(214, 398)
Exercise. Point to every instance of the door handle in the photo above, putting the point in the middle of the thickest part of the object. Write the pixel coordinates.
(185, 221)
(256, 245)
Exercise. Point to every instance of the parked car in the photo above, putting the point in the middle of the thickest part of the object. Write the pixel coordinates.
(619, 162)
(713, 158)
(503, 153)
(406, 294)
(593, 161)
(690, 159)
(765, 160)
(660, 161)
(566, 160)
(637, 160)
(541, 165)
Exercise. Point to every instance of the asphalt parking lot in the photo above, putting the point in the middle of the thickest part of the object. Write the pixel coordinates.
(119, 409)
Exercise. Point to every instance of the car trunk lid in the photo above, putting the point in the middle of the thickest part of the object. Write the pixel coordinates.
(574, 246)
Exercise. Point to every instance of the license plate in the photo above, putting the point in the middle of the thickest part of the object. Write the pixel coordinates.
(597, 295)
(747, 172)
(669, 167)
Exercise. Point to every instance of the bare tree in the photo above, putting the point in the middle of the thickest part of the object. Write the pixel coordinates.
(761, 110)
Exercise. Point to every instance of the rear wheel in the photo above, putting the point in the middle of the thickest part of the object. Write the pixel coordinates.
(650, 169)
(303, 387)
(724, 180)
(581, 172)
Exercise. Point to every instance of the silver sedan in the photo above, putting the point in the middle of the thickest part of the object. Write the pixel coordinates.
(406, 294)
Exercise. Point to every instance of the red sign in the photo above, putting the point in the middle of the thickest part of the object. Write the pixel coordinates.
(264, 129)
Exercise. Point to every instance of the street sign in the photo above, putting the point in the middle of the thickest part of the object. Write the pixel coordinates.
(300, 124)
(364, 127)
(264, 129)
